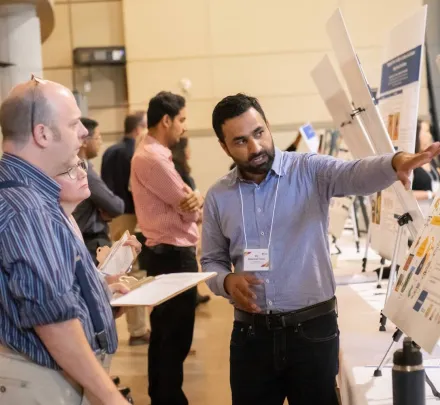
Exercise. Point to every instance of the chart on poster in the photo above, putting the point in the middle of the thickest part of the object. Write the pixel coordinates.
(414, 303)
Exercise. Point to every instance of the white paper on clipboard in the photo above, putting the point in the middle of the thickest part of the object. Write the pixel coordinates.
(119, 259)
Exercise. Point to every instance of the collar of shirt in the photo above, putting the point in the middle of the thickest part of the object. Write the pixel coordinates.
(31, 175)
(155, 146)
(129, 141)
(277, 168)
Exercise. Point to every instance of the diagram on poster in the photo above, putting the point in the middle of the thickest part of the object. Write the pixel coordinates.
(414, 303)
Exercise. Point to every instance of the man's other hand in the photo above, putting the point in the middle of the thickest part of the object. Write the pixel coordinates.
(239, 287)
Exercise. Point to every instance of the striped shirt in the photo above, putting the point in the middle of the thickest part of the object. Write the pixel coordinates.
(300, 269)
(157, 192)
(38, 248)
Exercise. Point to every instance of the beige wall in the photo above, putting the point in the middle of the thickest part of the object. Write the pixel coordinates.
(263, 48)
(82, 23)
(223, 46)
(266, 49)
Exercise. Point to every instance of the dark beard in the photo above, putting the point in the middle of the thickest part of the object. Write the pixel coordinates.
(262, 168)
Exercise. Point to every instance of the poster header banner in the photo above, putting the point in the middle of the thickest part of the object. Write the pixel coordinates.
(401, 71)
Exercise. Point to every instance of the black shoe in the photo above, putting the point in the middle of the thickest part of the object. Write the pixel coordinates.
(125, 392)
(116, 380)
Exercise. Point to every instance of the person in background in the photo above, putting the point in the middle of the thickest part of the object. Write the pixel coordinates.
(93, 214)
(181, 156)
(115, 172)
(167, 211)
(426, 178)
(48, 320)
(267, 219)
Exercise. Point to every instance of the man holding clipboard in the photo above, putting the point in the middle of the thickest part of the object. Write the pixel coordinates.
(268, 218)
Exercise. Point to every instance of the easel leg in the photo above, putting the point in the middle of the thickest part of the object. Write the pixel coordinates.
(355, 226)
(382, 265)
(383, 319)
(396, 337)
(367, 247)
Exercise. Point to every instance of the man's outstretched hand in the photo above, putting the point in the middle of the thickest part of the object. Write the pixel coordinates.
(404, 163)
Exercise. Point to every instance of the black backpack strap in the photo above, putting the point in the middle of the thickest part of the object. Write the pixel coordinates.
(92, 305)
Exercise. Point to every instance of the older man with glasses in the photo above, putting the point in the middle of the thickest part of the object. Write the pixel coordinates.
(56, 319)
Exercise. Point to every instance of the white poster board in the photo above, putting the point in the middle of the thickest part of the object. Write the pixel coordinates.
(398, 100)
(414, 303)
(369, 116)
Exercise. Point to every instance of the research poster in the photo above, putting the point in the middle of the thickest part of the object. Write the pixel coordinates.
(398, 102)
(414, 303)
(367, 112)
(310, 137)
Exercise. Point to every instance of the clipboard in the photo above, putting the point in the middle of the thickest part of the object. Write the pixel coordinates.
(119, 258)
(153, 291)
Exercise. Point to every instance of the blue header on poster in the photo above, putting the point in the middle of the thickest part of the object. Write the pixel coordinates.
(308, 131)
(401, 71)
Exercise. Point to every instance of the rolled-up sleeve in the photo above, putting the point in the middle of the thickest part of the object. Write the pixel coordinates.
(337, 178)
(215, 248)
(32, 268)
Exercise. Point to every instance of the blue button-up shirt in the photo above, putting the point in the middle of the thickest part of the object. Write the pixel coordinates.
(37, 258)
(300, 268)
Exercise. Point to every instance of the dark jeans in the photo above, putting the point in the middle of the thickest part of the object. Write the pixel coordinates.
(298, 363)
(172, 326)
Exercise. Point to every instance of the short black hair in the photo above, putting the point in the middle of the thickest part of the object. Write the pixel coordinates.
(164, 103)
(90, 125)
(132, 121)
(231, 107)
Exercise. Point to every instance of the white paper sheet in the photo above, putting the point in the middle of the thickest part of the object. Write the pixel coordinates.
(161, 289)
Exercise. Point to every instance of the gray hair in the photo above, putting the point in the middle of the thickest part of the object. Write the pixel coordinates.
(16, 111)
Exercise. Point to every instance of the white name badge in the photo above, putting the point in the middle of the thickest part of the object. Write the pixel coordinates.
(256, 259)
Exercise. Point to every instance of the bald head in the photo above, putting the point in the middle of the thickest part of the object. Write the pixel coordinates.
(40, 121)
(28, 105)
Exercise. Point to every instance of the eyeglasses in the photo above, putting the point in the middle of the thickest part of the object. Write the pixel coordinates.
(37, 81)
(73, 171)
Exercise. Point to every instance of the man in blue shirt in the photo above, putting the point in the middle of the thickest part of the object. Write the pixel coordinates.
(47, 278)
(268, 219)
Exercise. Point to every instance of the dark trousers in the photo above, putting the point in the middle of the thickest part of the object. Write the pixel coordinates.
(298, 363)
(143, 255)
(172, 326)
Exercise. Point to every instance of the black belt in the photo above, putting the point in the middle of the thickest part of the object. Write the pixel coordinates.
(164, 248)
(287, 319)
